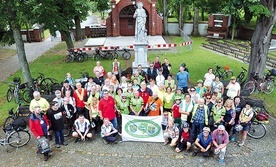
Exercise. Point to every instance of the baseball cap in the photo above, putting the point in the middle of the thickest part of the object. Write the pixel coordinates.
(206, 129)
(200, 81)
(57, 92)
(233, 77)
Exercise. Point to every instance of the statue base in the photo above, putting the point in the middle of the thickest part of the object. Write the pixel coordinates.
(141, 55)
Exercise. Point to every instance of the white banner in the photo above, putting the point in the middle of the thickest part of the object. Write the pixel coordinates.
(139, 128)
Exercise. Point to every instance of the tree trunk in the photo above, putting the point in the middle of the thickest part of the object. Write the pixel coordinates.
(202, 15)
(233, 28)
(180, 16)
(28, 33)
(261, 40)
(165, 18)
(67, 38)
(78, 28)
(195, 29)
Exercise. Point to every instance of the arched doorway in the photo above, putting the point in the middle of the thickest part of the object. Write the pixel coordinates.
(127, 22)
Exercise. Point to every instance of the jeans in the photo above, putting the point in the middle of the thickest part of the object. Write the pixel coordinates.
(59, 135)
(115, 123)
(195, 128)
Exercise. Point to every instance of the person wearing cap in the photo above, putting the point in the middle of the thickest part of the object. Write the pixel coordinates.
(176, 115)
(108, 108)
(209, 77)
(185, 138)
(39, 101)
(199, 117)
(200, 90)
(217, 86)
(67, 87)
(56, 117)
(58, 98)
(220, 140)
(169, 82)
(233, 88)
(160, 79)
(203, 143)
(166, 66)
(194, 95)
(217, 112)
(136, 104)
(186, 108)
(182, 78)
(39, 126)
(122, 108)
(178, 94)
(245, 120)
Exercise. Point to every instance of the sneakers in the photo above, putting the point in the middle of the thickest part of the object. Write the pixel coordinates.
(77, 140)
(194, 154)
(64, 143)
(57, 146)
(173, 144)
(220, 161)
(45, 157)
(232, 139)
(105, 142)
(166, 142)
(241, 144)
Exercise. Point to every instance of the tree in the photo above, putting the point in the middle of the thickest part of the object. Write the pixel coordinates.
(101, 6)
(265, 10)
(12, 14)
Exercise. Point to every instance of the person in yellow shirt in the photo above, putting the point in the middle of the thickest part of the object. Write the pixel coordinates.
(39, 101)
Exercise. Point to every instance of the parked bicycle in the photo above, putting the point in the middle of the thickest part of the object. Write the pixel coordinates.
(74, 56)
(43, 84)
(125, 54)
(266, 84)
(225, 74)
(21, 111)
(15, 90)
(102, 55)
(16, 134)
(241, 76)
(83, 79)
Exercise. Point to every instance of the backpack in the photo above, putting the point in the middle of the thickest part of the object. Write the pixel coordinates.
(43, 145)
(261, 115)
(19, 123)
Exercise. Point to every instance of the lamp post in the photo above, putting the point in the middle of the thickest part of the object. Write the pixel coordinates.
(133, 2)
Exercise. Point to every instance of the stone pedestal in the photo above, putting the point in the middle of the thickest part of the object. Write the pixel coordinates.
(141, 55)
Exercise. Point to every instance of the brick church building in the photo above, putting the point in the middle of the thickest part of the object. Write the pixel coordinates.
(120, 21)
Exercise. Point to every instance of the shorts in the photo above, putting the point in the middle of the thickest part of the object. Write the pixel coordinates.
(246, 126)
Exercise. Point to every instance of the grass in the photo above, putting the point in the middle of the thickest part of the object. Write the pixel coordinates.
(198, 61)
(5, 53)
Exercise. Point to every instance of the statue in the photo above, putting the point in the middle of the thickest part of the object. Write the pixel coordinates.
(140, 24)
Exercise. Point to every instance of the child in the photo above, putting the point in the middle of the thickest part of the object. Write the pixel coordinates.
(175, 111)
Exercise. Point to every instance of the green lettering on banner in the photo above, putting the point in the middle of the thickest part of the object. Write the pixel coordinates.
(142, 128)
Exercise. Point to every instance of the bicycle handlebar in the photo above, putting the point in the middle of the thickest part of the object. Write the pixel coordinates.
(244, 69)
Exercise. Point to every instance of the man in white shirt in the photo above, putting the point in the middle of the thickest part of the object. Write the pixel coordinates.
(160, 79)
(82, 129)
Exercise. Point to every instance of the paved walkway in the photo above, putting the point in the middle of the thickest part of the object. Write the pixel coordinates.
(256, 153)
(33, 50)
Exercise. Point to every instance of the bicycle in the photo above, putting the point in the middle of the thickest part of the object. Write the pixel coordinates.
(15, 136)
(15, 90)
(83, 79)
(225, 75)
(83, 54)
(125, 54)
(257, 129)
(43, 84)
(102, 55)
(266, 84)
(241, 76)
(21, 111)
(73, 56)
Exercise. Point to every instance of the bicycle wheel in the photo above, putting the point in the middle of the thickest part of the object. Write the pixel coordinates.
(96, 57)
(227, 75)
(68, 59)
(250, 86)
(257, 130)
(28, 95)
(245, 59)
(79, 58)
(109, 56)
(268, 87)
(9, 95)
(126, 55)
(85, 56)
(67, 130)
(115, 55)
(8, 121)
(19, 138)
(46, 85)
(240, 78)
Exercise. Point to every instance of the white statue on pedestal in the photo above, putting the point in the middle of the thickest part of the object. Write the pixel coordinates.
(140, 24)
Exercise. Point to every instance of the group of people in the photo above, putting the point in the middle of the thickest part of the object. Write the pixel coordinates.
(188, 112)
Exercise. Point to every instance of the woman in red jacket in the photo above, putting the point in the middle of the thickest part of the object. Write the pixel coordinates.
(39, 126)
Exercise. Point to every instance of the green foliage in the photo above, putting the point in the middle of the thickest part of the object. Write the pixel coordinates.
(259, 9)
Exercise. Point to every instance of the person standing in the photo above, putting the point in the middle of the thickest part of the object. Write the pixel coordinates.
(39, 125)
(151, 73)
(209, 77)
(234, 88)
(182, 78)
(99, 69)
(80, 96)
(39, 101)
(55, 115)
(107, 108)
(154, 105)
(116, 69)
(166, 66)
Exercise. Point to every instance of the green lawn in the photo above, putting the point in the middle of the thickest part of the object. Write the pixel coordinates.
(198, 61)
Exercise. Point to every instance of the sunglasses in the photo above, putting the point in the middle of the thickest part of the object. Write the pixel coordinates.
(123, 97)
(208, 98)
(219, 101)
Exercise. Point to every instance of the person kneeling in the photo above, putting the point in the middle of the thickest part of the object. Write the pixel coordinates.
(82, 129)
(108, 132)
(171, 132)
(185, 138)
(220, 141)
(203, 143)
